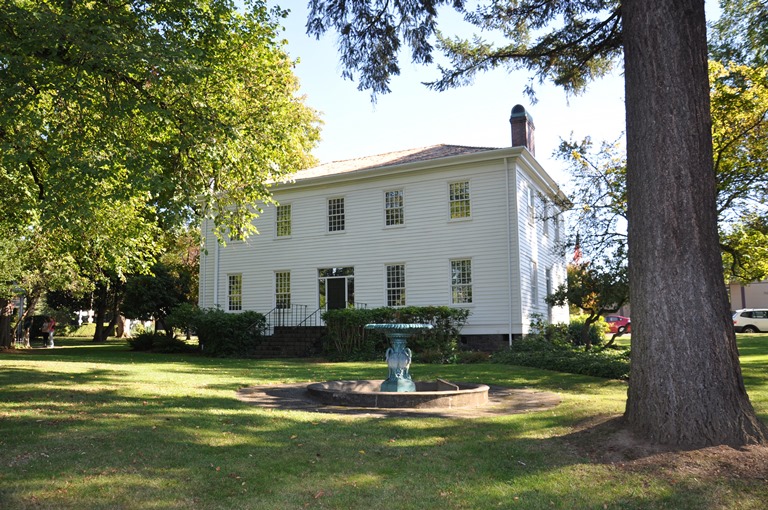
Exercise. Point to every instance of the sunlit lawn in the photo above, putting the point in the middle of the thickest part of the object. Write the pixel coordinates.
(97, 426)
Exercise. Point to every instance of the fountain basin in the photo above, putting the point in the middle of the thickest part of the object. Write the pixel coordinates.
(428, 394)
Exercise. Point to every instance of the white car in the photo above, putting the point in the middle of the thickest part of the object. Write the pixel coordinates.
(750, 320)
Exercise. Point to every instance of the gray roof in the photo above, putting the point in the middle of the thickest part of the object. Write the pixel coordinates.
(388, 159)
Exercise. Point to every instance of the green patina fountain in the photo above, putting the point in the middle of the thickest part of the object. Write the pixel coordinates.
(398, 355)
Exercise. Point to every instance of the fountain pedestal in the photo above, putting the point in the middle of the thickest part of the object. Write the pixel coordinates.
(398, 355)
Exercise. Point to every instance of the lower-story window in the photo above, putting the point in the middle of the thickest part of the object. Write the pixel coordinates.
(283, 289)
(461, 281)
(396, 285)
(235, 292)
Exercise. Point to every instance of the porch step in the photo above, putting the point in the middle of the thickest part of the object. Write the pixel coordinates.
(291, 342)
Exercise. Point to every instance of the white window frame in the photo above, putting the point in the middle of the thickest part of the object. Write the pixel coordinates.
(395, 285)
(283, 221)
(531, 205)
(332, 217)
(451, 200)
(461, 282)
(282, 289)
(398, 211)
(534, 283)
(235, 292)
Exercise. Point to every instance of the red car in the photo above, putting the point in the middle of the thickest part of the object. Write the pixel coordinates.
(616, 322)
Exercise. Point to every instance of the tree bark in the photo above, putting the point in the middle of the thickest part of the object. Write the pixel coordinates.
(6, 319)
(100, 314)
(685, 387)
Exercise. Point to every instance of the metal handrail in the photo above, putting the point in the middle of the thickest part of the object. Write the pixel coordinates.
(311, 319)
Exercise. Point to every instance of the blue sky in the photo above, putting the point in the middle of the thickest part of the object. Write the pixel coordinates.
(414, 116)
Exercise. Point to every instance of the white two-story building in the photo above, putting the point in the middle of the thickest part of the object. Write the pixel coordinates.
(469, 227)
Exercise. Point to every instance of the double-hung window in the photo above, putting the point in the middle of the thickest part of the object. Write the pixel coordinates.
(461, 281)
(235, 292)
(336, 218)
(396, 285)
(458, 198)
(393, 208)
(283, 289)
(531, 205)
(283, 222)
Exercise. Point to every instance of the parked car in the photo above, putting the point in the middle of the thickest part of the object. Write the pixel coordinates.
(750, 320)
(617, 322)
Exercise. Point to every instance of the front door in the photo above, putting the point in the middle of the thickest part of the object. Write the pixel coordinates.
(336, 286)
(336, 293)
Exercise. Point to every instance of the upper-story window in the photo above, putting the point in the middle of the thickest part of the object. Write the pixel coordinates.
(531, 205)
(235, 292)
(393, 208)
(545, 218)
(336, 215)
(283, 222)
(461, 281)
(396, 285)
(459, 199)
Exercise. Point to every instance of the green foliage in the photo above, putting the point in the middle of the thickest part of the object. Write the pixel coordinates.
(122, 121)
(739, 100)
(347, 338)
(220, 333)
(158, 342)
(595, 334)
(740, 35)
(610, 364)
(559, 347)
(153, 296)
(584, 40)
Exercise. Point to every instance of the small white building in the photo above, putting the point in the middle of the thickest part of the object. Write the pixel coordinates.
(753, 295)
(449, 225)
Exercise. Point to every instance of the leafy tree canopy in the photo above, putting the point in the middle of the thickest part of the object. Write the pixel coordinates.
(739, 104)
(584, 43)
(175, 109)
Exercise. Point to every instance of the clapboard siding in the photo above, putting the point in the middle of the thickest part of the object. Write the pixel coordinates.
(496, 242)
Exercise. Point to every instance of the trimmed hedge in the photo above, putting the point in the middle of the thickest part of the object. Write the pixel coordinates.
(348, 340)
(610, 364)
(158, 342)
(220, 333)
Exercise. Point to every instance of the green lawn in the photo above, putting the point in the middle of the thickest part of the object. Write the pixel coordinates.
(86, 426)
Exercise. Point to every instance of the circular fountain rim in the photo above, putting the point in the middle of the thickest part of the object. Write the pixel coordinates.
(364, 393)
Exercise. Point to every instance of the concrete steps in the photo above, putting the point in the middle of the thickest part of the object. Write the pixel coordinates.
(291, 342)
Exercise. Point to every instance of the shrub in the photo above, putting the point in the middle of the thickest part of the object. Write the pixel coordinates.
(220, 333)
(556, 347)
(610, 364)
(596, 330)
(142, 341)
(157, 342)
(347, 339)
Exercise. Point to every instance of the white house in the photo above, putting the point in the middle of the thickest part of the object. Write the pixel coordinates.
(467, 227)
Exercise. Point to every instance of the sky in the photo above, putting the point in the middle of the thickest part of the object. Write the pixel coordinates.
(414, 116)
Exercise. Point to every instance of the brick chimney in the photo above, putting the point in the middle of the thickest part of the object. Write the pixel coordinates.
(522, 129)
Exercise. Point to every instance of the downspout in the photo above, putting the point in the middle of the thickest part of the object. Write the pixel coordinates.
(216, 264)
(203, 290)
(509, 253)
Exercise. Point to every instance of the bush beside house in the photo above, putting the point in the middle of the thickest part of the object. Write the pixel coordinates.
(348, 340)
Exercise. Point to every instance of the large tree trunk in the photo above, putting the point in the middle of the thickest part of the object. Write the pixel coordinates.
(685, 387)
(100, 335)
(6, 320)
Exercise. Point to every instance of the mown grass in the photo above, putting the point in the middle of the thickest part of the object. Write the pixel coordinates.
(98, 426)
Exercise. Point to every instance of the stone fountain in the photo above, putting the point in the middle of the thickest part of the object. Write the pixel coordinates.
(399, 390)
